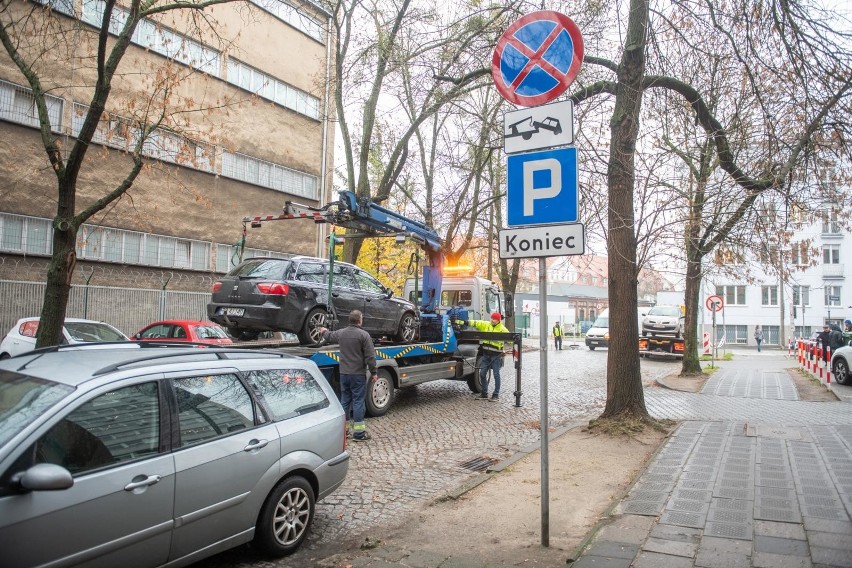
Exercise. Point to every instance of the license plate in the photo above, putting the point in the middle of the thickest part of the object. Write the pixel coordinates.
(234, 311)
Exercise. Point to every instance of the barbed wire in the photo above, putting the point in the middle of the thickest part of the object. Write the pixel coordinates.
(35, 270)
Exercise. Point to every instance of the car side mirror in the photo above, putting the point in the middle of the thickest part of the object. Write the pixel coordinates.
(44, 477)
(388, 293)
(509, 308)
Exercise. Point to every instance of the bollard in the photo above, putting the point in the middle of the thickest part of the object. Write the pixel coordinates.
(828, 367)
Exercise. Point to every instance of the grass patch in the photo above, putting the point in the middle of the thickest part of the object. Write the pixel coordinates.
(709, 369)
(726, 357)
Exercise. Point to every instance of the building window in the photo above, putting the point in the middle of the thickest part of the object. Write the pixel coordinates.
(733, 334)
(292, 16)
(830, 226)
(769, 295)
(832, 296)
(726, 256)
(771, 334)
(733, 295)
(831, 254)
(801, 296)
(157, 38)
(272, 89)
(800, 254)
(17, 104)
(277, 177)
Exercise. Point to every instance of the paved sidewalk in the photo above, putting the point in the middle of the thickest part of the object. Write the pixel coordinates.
(768, 483)
(753, 477)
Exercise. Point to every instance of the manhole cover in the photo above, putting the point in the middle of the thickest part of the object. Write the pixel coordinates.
(480, 463)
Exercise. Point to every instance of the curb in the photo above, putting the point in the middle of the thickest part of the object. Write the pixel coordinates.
(606, 518)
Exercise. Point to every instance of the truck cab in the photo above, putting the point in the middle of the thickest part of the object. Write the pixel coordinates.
(478, 296)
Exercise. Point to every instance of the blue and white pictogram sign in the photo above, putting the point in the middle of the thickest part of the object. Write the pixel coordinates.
(542, 187)
(536, 58)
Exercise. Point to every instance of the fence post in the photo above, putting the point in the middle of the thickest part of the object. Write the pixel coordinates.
(163, 297)
(86, 294)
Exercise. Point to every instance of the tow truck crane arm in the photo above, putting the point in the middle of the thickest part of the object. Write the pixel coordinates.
(372, 219)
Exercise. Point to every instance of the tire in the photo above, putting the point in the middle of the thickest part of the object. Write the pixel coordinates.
(286, 517)
(474, 381)
(5, 356)
(841, 371)
(407, 330)
(242, 334)
(379, 395)
(309, 335)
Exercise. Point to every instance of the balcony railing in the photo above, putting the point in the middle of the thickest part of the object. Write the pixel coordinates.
(832, 271)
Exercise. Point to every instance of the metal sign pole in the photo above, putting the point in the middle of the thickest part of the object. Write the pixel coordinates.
(545, 484)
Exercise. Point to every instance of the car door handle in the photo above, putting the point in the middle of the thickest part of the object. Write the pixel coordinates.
(149, 480)
(256, 445)
(335, 294)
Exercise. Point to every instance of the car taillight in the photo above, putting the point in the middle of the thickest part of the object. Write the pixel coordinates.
(273, 288)
(216, 286)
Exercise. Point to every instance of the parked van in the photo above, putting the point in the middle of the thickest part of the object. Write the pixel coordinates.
(598, 334)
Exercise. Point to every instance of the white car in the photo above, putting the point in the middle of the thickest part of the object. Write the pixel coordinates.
(22, 337)
(840, 361)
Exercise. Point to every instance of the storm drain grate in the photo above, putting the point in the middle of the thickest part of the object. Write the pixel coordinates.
(480, 463)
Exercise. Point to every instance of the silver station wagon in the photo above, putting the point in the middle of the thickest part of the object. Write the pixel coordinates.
(141, 455)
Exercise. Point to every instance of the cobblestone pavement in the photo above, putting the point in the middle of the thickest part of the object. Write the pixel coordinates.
(418, 447)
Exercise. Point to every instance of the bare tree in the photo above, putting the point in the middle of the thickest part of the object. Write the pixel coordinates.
(54, 53)
(417, 49)
(787, 42)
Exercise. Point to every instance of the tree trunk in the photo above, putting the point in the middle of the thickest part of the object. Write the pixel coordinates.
(624, 380)
(58, 289)
(691, 365)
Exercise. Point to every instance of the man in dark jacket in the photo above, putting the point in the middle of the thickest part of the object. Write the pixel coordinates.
(822, 337)
(835, 337)
(357, 355)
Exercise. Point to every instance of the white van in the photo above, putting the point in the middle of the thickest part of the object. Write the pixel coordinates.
(598, 334)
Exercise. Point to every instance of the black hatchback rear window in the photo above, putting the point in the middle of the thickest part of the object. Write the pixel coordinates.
(273, 268)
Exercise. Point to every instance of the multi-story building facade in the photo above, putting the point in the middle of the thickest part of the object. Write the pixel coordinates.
(178, 225)
(795, 296)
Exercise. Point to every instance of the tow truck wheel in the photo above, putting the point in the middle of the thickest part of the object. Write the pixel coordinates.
(474, 383)
(379, 396)
(309, 334)
(407, 328)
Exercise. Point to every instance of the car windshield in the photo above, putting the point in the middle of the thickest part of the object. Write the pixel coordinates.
(273, 268)
(210, 332)
(670, 311)
(87, 332)
(23, 399)
(602, 321)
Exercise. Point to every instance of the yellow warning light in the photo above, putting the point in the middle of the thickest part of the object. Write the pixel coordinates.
(461, 270)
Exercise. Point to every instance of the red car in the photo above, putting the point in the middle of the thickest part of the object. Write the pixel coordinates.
(183, 330)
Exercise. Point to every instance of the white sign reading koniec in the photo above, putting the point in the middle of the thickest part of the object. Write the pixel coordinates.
(543, 241)
(537, 128)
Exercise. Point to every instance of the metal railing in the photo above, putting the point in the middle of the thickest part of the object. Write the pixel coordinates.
(128, 309)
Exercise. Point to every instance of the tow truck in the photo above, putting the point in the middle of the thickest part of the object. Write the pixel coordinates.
(444, 350)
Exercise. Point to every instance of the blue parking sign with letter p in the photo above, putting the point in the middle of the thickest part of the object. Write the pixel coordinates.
(542, 187)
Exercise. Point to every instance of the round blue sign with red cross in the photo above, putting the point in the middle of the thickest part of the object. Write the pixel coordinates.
(536, 58)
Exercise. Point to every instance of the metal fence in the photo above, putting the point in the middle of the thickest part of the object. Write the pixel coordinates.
(128, 309)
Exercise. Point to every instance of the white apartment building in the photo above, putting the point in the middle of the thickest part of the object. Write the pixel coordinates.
(812, 292)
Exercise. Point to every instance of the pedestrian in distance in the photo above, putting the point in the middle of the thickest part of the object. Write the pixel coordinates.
(822, 337)
(492, 354)
(835, 337)
(847, 332)
(357, 356)
(758, 337)
(557, 336)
